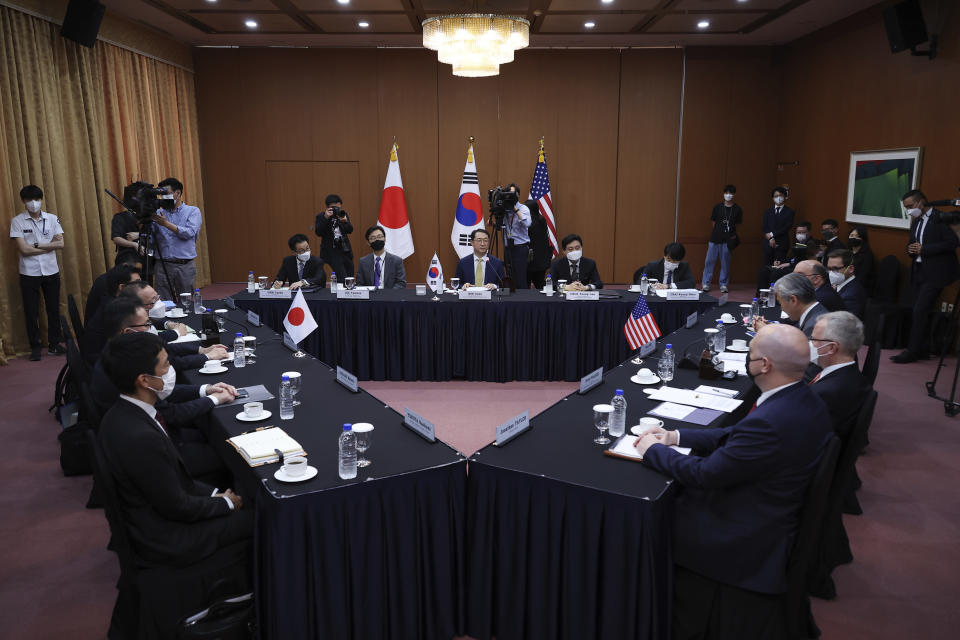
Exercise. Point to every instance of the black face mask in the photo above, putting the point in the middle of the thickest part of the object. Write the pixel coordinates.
(753, 379)
(829, 235)
(377, 245)
(853, 243)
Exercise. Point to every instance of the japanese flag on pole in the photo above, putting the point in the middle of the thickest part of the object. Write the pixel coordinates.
(393, 211)
(435, 275)
(469, 208)
(299, 322)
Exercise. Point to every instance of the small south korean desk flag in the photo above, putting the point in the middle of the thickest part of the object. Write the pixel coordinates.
(435, 274)
(299, 322)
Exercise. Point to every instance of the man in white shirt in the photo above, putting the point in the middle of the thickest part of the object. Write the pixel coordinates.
(38, 235)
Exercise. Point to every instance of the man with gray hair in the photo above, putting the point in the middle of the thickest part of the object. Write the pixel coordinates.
(818, 275)
(797, 298)
(738, 513)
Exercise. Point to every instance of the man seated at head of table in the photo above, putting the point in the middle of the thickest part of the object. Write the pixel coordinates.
(820, 278)
(798, 300)
(380, 269)
(172, 518)
(95, 335)
(479, 269)
(580, 273)
(843, 277)
(300, 269)
(743, 488)
(671, 271)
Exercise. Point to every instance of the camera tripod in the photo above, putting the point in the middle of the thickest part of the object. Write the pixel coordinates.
(950, 405)
(497, 242)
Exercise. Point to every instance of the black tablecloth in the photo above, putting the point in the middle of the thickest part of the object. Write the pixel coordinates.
(377, 557)
(566, 543)
(397, 335)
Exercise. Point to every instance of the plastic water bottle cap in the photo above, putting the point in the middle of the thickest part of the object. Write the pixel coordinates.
(754, 299)
(669, 346)
(196, 290)
(619, 392)
(347, 427)
(239, 335)
(285, 379)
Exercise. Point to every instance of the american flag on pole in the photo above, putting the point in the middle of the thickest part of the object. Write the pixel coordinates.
(540, 191)
(641, 328)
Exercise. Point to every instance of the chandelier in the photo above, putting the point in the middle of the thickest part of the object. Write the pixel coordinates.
(476, 44)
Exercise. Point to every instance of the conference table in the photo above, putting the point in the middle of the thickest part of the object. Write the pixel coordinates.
(377, 557)
(398, 335)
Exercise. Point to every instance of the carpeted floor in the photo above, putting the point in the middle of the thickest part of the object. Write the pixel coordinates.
(57, 579)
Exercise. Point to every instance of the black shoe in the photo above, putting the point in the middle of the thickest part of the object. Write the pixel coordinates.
(904, 357)
(35, 354)
(57, 350)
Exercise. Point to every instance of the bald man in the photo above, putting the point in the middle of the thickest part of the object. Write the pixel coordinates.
(738, 513)
(819, 277)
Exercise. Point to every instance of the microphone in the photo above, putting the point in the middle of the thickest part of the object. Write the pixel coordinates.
(687, 361)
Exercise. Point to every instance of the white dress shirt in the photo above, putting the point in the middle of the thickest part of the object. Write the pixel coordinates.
(833, 367)
(803, 316)
(37, 230)
(921, 228)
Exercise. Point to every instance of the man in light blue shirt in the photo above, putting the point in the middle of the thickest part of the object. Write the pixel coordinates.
(517, 223)
(176, 230)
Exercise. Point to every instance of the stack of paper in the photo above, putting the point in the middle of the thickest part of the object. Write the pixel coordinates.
(623, 448)
(260, 446)
(695, 399)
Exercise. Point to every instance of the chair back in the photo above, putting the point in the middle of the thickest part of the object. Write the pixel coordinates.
(75, 317)
(79, 367)
(871, 364)
(888, 280)
(107, 488)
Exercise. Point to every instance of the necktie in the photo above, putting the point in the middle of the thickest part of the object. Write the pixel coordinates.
(669, 278)
(575, 272)
(163, 423)
(816, 377)
(300, 269)
(376, 273)
(478, 274)
(778, 210)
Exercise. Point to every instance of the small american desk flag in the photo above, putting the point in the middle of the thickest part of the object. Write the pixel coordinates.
(641, 328)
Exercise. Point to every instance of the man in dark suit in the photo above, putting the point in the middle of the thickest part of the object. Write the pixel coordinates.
(95, 333)
(100, 291)
(798, 300)
(830, 229)
(777, 222)
(820, 278)
(333, 226)
(933, 254)
(172, 518)
(580, 273)
(770, 273)
(843, 277)
(301, 269)
(739, 510)
(541, 250)
(472, 266)
(671, 271)
(380, 269)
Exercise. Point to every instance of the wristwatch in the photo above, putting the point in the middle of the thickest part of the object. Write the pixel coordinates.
(36, 245)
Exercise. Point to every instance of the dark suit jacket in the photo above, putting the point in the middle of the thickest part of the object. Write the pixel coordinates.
(739, 510)
(780, 226)
(393, 274)
(833, 245)
(492, 274)
(539, 239)
(682, 276)
(843, 391)
(96, 297)
(828, 297)
(939, 253)
(811, 320)
(864, 268)
(323, 227)
(179, 409)
(94, 337)
(170, 516)
(854, 297)
(560, 270)
(313, 271)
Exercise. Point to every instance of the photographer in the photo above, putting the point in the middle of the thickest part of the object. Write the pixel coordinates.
(176, 228)
(516, 223)
(333, 226)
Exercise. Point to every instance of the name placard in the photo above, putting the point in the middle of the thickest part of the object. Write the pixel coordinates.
(723, 299)
(583, 295)
(591, 380)
(683, 294)
(419, 424)
(347, 379)
(275, 294)
(692, 319)
(289, 343)
(512, 428)
(648, 348)
(353, 294)
(231, 304)
(253, 318)
(474, 294)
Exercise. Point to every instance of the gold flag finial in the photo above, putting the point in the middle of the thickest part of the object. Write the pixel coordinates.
(470, 150)
(540, 156)
(393, 150)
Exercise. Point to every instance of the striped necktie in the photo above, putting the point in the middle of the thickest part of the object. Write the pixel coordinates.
(478, 274)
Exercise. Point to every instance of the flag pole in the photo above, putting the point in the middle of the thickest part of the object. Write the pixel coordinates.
(298, 353)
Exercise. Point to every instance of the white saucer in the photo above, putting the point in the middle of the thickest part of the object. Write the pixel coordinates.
(654, 380)
(738, 349)
(650, 392)
(634, 288)
(638, 429)
(242, 417)
(221, 369)
(173, 316)
(726, 321)
(283, 477)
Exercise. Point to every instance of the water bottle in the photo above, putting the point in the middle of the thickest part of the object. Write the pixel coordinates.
(239, 355)
(548, 285)
(251, 283)
(618, 419)
(644, 285)
(197, 302)
(286, 399)
(754, 311)
(333, 282)
(348, 453)
(665, 370)
(771, 298)
(720, 341)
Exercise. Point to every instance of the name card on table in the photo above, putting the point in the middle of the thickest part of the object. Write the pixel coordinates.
(289, 343)
(683, 294)
(230, 303)
(253, 318)
(353, 294)
(419, 424)
(275, 294)
(347, 379)
(582, 295)
(474, 294)
(692, 319)
(512, 428)
(591, 380)
(648, 348)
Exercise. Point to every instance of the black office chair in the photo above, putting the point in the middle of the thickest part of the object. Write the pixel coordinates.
(871, 364)
(78, 367)
(890, 309)
(834, 548)
(75, 318)
(798, 616)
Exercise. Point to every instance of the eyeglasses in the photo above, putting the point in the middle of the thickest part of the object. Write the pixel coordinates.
(154, 300)
(812, 339)
(375, 238)
(145, 325)
(482, 239)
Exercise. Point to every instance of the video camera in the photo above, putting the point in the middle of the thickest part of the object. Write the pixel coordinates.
(501, 200)
(143, 199)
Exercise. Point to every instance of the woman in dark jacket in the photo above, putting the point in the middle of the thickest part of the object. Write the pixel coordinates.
(863, 262)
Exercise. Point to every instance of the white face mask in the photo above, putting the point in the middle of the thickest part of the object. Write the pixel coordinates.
(836, 278)
(815, 352)
(801, 237)
(574, 255)
(778, 199)
(914, 213)
(303, 257)
(153, 330)
(728, 197)
(158, 311)
(33, 206)
(670, 266)
(169, 380)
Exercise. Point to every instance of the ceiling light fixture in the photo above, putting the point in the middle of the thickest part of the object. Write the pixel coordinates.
(363, 25)
(251, 24)
(606, 1)
(476, 44)
(703, 24)
(343, 1)
(589, 25)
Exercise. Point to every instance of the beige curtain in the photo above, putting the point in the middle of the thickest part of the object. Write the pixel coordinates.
(76, 121)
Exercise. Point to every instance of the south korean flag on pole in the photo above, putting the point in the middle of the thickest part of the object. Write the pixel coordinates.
(435, 275)
(469, 214)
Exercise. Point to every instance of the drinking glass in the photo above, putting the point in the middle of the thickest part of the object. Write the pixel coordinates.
(746, 313)
(710, 336)
(560, 285)
(601, 416)
(295, 379)
(454, 283)
(262, 281)
(220, 315)
(349, 282)
(186, 302)
(364, 433)
(250, 348)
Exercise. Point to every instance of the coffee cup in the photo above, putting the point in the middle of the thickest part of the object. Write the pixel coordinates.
(211, 365)
(727, 317)
(649, 422)
(645, 374)
(295, 466)
(253, 409)
(739, 343)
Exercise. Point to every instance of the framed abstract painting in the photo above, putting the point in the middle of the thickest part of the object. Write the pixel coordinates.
(877, 182)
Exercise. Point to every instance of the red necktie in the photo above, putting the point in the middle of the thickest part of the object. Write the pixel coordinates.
(162, 423)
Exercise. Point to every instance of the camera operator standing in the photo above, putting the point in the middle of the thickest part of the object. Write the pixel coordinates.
(176, 228)
(517, 224)
(333, 226)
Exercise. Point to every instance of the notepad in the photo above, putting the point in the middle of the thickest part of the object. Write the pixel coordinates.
(695, 399)
(623, 448)
(260, 447)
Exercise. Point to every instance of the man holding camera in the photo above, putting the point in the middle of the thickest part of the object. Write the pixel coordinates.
(516, 223)
(333, 226)
(176, 230)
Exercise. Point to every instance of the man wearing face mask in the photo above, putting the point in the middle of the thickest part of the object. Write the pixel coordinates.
(39, 236)
(173, 518)
(95, 330)
(777, 222)
(798, 300)
(723, 239)
(301, 269)
(843, 278)
(820, 278)
(177, 226)
(933, 255)
(739, 512)
(798, 252)
(580, 273)
(670, 271)
(380, 269)
(829, 228)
